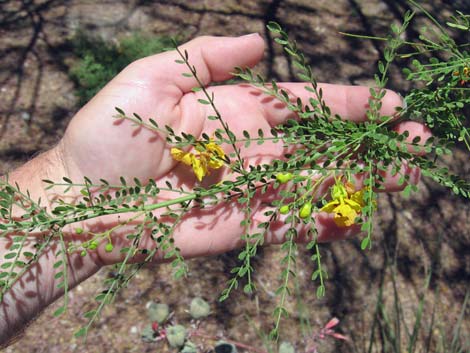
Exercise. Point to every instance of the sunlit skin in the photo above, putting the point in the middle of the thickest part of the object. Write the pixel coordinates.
(95, 146)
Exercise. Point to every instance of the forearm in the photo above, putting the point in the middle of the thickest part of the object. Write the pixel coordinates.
(36, 287)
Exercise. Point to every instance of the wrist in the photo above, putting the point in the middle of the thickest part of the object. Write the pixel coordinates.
(29, 178)
(36, 286)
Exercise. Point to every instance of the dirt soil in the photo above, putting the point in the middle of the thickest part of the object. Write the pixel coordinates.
(428, 231)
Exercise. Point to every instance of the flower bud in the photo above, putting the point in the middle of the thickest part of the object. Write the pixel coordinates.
(338, 191)
(109, 247)
(305, 210)
(284, 177)
(93, 245)
(284, 209)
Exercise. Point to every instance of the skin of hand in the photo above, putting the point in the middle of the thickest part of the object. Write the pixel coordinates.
(97, 147)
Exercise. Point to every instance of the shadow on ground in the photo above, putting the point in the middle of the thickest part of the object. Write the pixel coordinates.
(426, 232)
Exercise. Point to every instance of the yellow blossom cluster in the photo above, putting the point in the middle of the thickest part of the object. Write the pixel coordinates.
(208, 155)
(346, 204)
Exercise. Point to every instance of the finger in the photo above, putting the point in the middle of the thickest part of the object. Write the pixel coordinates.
(213, 57)
(326, 230)
(321, 226)
(397, 181)
(392, 179)
(415, 130)
(349, 102)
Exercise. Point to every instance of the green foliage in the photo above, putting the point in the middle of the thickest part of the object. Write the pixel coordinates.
(148, 334)
(189, 347)
(396, 330)
(158, 312)
(99, 60)
(176, 336)
(326, 148)
(286, 347)
(442, 103)
(199, 308)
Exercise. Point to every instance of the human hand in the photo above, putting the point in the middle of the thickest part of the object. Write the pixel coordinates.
(96, 147)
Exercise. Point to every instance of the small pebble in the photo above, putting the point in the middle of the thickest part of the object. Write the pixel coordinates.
(25, 116)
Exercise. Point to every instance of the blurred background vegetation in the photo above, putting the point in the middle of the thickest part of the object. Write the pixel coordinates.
(98, 61)
(409, 294)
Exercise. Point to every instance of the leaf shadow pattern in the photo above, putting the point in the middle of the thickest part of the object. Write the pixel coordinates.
(326, 65)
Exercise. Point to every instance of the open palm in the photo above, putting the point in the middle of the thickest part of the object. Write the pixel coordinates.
(154, 87)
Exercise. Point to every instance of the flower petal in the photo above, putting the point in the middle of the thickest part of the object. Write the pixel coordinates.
(215, 163)
(215, 149)
(181, 156)
(358, 197)
(200, 170)
(330, 206)
(353, 204)
(177, 154)
(345, 215)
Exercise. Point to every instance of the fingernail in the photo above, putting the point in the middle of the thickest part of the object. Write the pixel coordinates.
(254, 34)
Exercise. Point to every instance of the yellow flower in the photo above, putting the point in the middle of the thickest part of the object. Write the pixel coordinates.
(345, 204)
(358, 197)
(216, 155)
(345, 215)
(181, 156)
(208, 155)
(345, 211)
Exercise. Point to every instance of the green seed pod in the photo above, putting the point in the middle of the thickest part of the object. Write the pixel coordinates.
(286, 347)
(284, 209)
(199, 308)
(284, 177)
(189, 347)
(78, 230)
(224, 347)
(109, 247)
(83, 253)
(305, 210)
(176, 336)
(93, 245)
(158, 312)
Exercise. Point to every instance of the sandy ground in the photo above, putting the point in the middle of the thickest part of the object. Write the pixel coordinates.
(428, 231)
